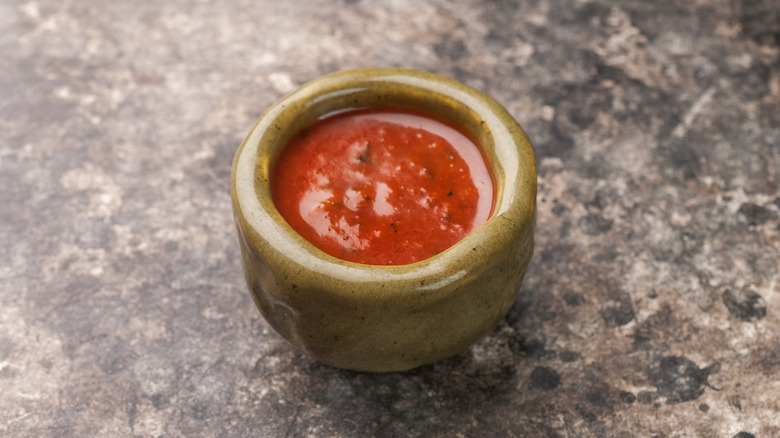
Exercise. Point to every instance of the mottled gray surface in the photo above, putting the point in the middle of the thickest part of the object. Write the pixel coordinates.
(652, 305)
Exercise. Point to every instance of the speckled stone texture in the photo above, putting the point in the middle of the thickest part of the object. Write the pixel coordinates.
(651, 307)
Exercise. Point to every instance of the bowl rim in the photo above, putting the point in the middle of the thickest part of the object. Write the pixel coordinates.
(506, 150)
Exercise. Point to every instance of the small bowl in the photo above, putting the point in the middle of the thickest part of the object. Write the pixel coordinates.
(373, 317)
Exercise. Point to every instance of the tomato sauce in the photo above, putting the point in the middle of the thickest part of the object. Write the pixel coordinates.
(382, 186)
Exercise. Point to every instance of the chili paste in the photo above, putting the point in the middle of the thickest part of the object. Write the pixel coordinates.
(382, 186)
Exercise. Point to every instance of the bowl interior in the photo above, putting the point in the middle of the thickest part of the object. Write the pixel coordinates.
(506, 149)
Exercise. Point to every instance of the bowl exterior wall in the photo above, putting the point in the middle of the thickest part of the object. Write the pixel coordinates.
(423, 324)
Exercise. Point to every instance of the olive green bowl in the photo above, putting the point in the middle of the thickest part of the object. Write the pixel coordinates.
(386, 318)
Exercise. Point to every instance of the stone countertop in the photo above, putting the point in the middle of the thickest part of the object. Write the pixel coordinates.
(651, 307)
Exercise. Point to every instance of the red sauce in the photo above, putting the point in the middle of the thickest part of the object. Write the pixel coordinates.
(382, 187)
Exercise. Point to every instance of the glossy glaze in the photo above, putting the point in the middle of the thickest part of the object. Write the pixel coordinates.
(386, 318)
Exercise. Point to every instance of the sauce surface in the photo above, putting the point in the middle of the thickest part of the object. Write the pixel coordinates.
(382, 186)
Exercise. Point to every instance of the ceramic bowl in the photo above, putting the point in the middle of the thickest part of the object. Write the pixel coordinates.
(386, 318)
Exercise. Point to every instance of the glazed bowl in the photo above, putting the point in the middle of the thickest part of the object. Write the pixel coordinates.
(374, 317)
